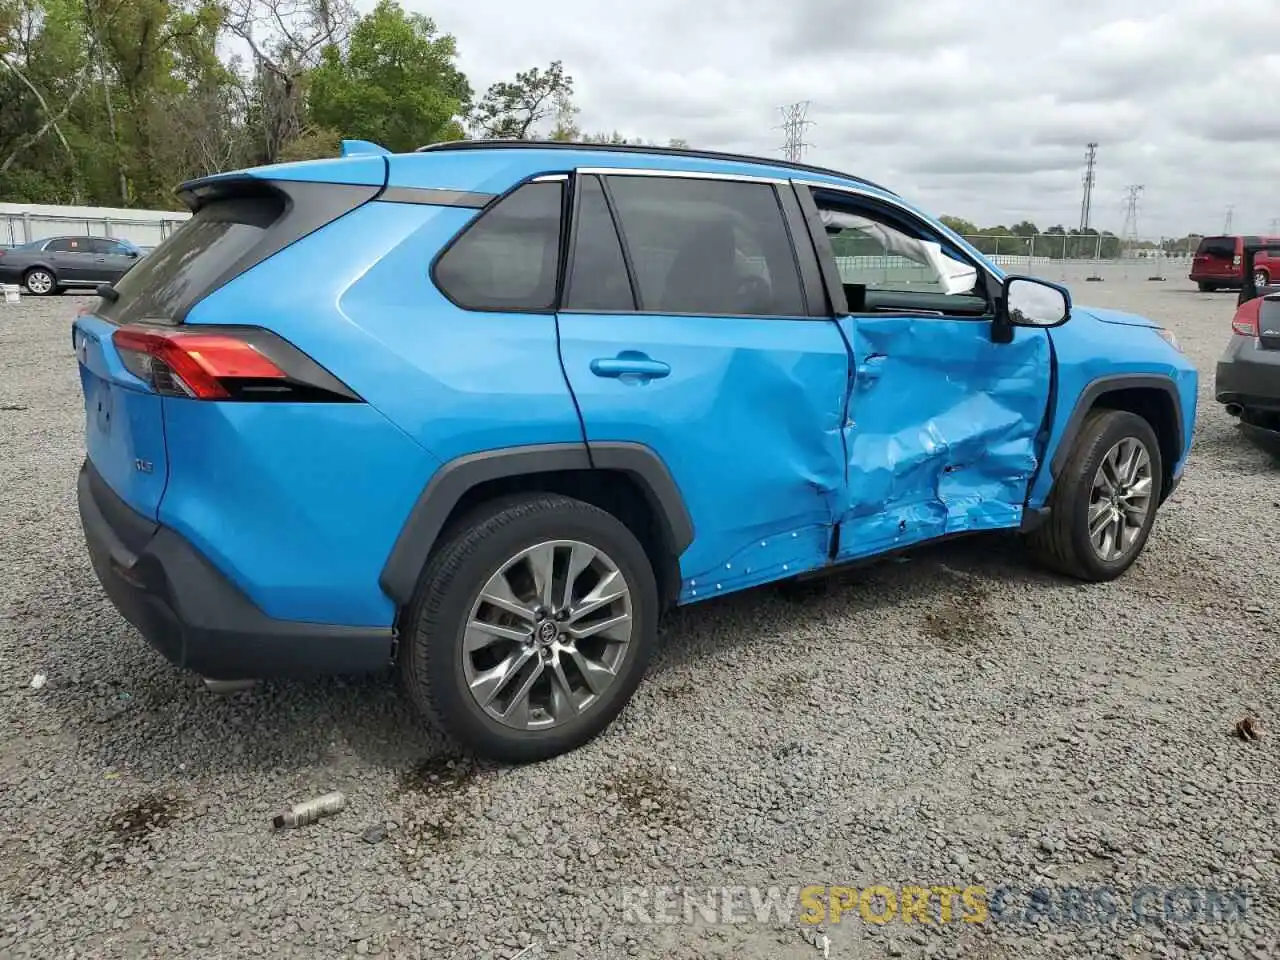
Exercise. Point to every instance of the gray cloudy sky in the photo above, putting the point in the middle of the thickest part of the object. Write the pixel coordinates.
(977, 109)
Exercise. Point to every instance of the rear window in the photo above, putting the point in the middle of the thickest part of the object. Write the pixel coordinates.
(1224, 248)
(164, 284)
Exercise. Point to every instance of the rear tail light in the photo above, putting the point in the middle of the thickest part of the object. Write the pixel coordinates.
(242, 363)
(1245, 321)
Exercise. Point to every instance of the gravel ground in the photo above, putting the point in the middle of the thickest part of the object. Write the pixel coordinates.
(956, 719)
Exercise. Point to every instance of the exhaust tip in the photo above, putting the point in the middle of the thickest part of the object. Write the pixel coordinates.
(1234, 409)
(228, 686)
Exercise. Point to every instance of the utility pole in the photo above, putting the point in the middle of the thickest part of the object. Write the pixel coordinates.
(1086, 204)
(794, 121)
(1129, 234)
(1275, 226)
(1226, 224)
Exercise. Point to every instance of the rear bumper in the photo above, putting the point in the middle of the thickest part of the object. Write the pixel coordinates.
(1226, 281)
(194, 615)
(1248, 376)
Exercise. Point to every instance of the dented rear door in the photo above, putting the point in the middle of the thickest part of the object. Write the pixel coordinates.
(944, 428)
(692, 336)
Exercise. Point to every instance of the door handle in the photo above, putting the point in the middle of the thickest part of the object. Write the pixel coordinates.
(100, 259)
(630, 365)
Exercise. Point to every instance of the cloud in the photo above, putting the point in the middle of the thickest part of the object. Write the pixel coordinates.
(978, 110)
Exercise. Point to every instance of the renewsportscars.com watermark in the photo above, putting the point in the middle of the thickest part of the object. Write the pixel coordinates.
(882, 904)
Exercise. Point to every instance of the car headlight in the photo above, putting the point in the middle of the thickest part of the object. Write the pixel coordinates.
(1169, 338)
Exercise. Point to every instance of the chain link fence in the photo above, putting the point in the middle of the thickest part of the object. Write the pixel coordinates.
(1053, 256)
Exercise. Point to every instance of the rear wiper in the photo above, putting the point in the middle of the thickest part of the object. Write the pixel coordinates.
(108, 292)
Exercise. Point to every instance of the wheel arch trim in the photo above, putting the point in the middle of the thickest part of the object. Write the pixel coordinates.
(1094, 391)
(449, 484)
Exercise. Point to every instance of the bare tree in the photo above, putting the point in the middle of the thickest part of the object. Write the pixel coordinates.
(286, 39)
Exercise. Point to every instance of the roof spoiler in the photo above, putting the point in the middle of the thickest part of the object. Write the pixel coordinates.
(1248, 289)
(351, 148)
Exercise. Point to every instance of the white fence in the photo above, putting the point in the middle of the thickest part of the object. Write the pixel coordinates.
(24, 222)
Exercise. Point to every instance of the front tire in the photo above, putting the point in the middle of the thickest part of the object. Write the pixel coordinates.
(1261, 279)
(39, 282)
(531, 627)
(1104, 501)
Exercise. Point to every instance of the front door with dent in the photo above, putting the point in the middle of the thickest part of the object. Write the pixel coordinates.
(944, 427)
(689, 325)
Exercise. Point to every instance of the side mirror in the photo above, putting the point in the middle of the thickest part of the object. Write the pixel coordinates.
(1030, 302)
(1036, 303)
(132, 254)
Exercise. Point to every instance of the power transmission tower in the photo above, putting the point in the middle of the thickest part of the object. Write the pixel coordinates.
(794, 121)
(1086, 204)
(1226, 224)
(1130, 232)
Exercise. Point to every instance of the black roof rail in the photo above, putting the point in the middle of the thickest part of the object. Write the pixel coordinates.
(448, 145)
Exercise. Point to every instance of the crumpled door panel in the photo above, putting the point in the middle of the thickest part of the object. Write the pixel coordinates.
(943, 431)
(747, 417)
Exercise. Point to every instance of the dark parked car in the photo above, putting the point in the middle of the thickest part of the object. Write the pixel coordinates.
(55, 264)
(1248, 375)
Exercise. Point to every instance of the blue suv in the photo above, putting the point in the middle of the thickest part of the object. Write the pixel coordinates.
(485, 410)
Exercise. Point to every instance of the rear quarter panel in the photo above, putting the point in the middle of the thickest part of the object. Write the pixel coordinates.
(300, 504)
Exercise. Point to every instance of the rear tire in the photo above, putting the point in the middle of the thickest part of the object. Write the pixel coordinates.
(1088, 503)
(1207, 287)
(543, 685)
(39, 282)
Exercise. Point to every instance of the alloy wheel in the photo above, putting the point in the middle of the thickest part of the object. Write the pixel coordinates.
(1120, 499)
(39, 282)
(1260, 279)
(547, 635)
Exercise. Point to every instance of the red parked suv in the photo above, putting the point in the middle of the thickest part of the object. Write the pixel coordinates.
(1217, 264)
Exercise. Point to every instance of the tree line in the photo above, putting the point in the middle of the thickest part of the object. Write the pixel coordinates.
(115, 102)
(1058, 243)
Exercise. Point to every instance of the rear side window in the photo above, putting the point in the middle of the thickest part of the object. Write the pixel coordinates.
(508, 259)
(598, 282)
(102, 246)
(182, 269)
(1223, 248)
(716, 247)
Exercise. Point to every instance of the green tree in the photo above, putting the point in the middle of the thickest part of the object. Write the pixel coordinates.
(397, 84)
(961, 226)
(512, 110)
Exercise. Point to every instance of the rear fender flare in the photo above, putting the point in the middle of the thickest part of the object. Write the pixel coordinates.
(454, 479)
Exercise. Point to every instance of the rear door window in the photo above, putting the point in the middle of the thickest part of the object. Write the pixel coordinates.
(509, 258)
(182, 269)
(598, 280)
(710, 247)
